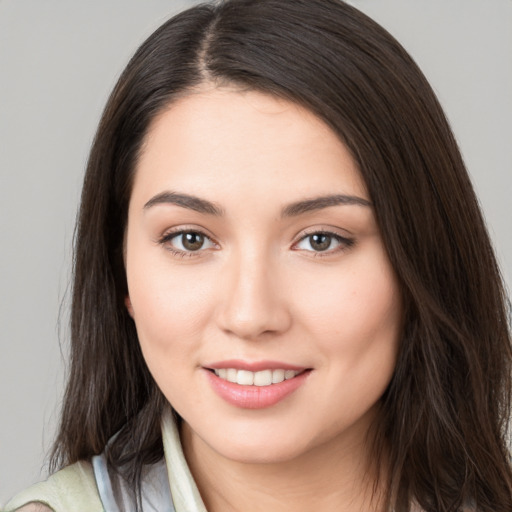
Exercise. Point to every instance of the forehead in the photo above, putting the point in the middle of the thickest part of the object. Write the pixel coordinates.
(222, 137)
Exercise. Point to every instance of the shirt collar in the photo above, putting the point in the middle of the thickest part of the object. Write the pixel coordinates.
(185, 494)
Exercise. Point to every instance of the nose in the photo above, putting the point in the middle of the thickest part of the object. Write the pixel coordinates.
(252, 301)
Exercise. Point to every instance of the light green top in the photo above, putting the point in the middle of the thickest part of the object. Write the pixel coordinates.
(73, 489)
(70, 489)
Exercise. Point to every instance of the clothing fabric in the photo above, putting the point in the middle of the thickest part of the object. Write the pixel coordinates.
(167, 486)
(116, 496)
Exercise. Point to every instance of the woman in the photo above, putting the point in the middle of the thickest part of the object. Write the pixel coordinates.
(278, 239)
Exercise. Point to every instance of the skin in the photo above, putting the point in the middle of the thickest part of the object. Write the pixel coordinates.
(259, 289)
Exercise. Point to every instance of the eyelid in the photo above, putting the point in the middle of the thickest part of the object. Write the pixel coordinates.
(185, 228)
(328, 230)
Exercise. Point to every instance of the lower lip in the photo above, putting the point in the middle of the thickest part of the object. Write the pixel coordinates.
(255, 397)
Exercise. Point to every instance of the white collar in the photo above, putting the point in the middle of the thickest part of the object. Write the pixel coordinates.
(185, 494)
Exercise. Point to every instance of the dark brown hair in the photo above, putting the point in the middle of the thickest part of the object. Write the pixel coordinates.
(443, 420)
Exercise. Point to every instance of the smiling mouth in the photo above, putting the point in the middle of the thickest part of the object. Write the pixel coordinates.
(255, 385)
(259, 378)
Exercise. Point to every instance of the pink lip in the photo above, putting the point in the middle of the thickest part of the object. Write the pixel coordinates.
(254, 397)
(255, 366)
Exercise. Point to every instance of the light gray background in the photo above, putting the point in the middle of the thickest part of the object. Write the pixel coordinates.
(58, 61)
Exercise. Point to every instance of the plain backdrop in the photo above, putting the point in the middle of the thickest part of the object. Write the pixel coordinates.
(58, 61)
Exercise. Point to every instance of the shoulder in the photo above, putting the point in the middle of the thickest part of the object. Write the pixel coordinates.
(72, 489)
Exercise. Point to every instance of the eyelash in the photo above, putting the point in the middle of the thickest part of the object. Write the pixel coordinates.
(345, 243)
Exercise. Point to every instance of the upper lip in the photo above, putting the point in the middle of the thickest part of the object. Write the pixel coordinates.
(253, 366)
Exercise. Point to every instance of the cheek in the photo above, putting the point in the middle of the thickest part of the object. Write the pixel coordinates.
(356, 325)
(170, 307)
(357, 312)
(169, 317)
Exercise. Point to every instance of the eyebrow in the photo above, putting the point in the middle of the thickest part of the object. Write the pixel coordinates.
(186, 201)
(318, 203)
(292, 210)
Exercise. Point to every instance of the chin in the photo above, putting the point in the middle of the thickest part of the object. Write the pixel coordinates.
(266, 453)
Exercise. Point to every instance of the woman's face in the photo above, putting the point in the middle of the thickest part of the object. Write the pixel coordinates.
(265, 305)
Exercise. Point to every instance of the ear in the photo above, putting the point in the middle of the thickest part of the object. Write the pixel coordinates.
(128, 304)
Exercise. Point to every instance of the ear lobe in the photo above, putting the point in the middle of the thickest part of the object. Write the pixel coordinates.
(128, 304)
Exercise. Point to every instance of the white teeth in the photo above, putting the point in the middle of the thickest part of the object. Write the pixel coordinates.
(277, 376)
(245, 378)
(261, 378)
(289, 374)
(231, 374)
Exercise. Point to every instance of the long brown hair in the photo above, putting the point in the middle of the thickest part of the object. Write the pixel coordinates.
(443, 420)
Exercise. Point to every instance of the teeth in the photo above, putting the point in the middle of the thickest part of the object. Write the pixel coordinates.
(277, 376)
(261, 378)
(245, 378)
(289, 374)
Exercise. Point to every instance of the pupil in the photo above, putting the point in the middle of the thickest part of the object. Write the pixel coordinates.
(193, 241)
(321, 242)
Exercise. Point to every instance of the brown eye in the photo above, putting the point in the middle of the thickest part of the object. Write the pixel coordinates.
(324, 242)
(320, 241)
(186, 242)
(192, 241)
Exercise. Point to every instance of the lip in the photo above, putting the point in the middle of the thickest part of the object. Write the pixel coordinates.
(255, 397)
(254, 366)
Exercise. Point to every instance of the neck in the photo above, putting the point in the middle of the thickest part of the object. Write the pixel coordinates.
(333, 477)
